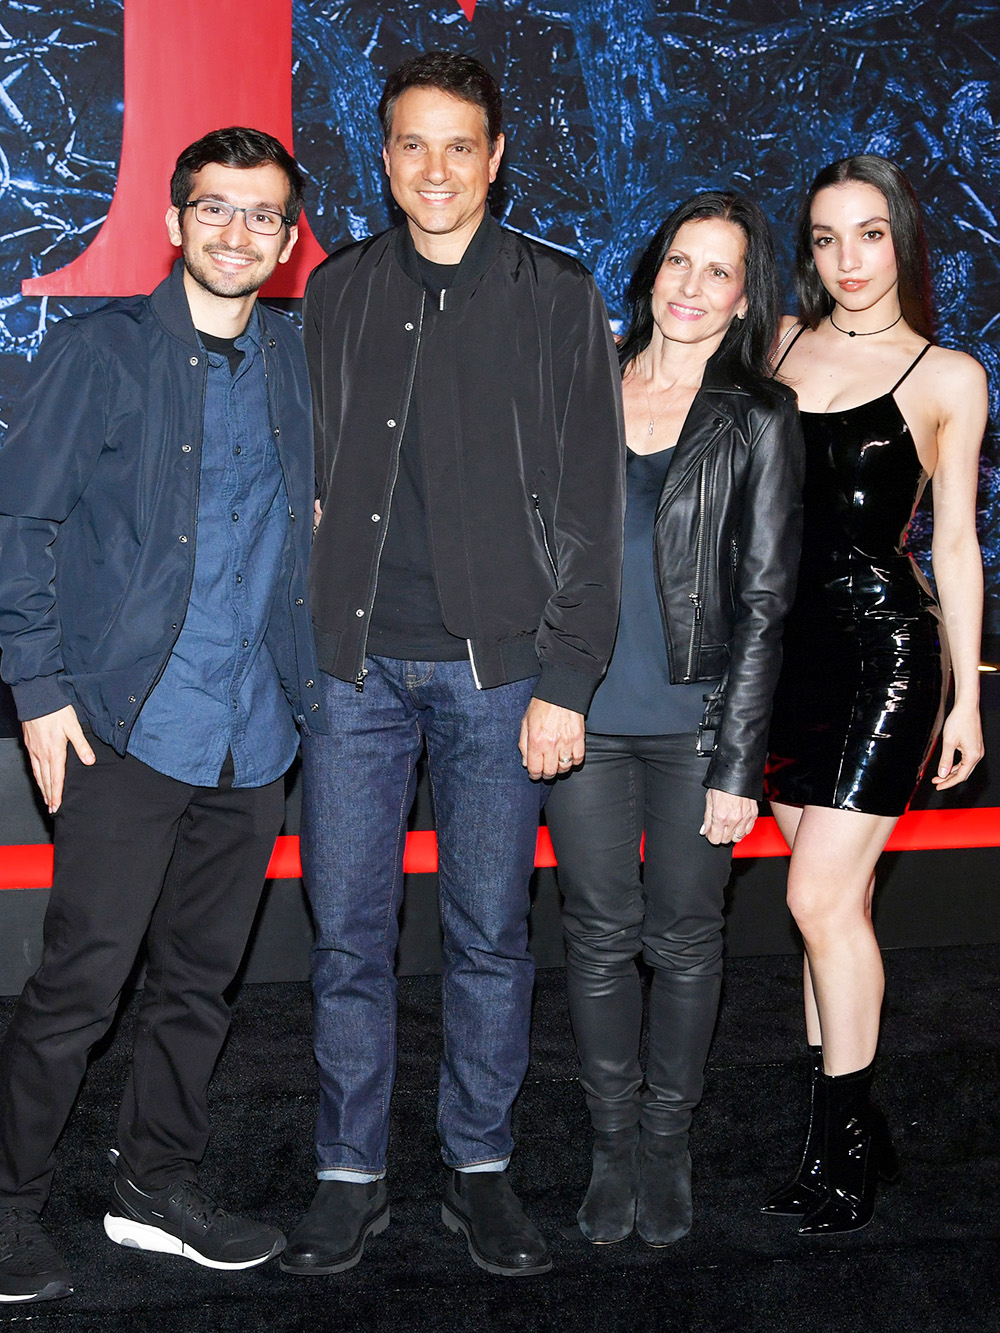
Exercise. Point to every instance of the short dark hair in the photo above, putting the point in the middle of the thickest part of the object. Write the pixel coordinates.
(743, 354)
(237, 146)
(907, 241)
(451, 72)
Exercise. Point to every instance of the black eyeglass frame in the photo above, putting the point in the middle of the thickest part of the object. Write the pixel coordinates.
(234, 209)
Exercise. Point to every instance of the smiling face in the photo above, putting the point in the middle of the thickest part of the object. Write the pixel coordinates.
(699, 289)
(440, 169)
(230, 261)
(852, 248)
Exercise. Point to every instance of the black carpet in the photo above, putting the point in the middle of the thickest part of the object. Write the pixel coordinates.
(929, 1263)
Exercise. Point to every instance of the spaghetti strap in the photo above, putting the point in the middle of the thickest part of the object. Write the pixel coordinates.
(919, 357)
(798, 333)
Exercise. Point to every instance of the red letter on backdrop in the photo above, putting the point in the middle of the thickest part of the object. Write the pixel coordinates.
(190, 67)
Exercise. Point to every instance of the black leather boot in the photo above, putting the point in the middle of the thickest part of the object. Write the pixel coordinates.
(857, 1153)
(331, 1236)
(482, 1205)
(607, 1213)
(805, 1189)
(663, 1211)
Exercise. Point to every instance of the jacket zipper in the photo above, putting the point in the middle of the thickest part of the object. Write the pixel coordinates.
(472, 663)
(699, 543)
(359, 679)
(545, 535)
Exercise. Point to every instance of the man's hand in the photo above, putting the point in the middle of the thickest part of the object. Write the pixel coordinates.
(728, 818)
(46, 739)
(551, 739)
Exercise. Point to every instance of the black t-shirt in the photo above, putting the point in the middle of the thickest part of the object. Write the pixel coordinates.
(406, 620)
(224, 346)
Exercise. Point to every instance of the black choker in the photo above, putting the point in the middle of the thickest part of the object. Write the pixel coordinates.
(853, 333)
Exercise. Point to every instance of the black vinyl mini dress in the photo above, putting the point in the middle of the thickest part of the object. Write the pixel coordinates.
(864, 674)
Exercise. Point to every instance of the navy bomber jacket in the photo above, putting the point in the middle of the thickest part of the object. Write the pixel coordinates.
(98, 511)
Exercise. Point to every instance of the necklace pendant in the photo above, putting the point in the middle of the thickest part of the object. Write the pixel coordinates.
(651, 425)
(852, 333)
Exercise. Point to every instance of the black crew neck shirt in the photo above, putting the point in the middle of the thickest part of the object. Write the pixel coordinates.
(224, 347)
(407, 621)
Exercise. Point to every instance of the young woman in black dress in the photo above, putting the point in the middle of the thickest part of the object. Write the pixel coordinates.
(865, 673)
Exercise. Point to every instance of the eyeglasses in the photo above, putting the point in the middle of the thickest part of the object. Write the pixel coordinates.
(216, 213)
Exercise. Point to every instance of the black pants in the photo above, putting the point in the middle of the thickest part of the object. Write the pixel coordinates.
(672, 915)
(137, 854)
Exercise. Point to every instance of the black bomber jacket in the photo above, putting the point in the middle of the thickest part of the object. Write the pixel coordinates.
(728, 533)
(514, 374)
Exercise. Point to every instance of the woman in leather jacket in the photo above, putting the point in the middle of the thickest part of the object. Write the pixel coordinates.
(677, 732)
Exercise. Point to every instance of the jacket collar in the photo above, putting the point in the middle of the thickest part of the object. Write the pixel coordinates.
(170, 305)
(479, 253)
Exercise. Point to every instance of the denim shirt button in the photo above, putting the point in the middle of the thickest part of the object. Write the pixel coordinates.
(300, 601)
(194, 361)
(313, 708)
(185, 448)
(391, 422)
(359, 612)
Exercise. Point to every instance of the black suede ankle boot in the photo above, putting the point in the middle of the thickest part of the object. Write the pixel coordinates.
(805, 1189)
(857, 1153)
(607, 1213)
(663, 1210)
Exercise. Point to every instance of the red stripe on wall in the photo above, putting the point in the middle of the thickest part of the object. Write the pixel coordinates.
(29, 866)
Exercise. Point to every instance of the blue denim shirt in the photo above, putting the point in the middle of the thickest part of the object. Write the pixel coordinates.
(220, 689)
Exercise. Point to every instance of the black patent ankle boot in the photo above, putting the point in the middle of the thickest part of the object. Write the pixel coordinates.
(607, 1213)
(805, 1189)
(857, 1154)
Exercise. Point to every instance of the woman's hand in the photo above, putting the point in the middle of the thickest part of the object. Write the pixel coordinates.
(728, 818)
(961, 747)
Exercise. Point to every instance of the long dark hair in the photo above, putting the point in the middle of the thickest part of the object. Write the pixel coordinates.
(908, 242)
(743, 354)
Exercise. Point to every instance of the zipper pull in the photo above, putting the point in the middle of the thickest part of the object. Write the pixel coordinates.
(359, 680)
(441, 303)
(695, 598)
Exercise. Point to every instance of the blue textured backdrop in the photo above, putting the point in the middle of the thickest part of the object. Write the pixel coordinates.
(616, 109)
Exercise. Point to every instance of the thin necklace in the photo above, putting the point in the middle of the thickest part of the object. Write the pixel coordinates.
(853, 333)
(645, 388)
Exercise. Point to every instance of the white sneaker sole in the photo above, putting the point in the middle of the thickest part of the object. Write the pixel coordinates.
(53, 1291)
(140, 1236)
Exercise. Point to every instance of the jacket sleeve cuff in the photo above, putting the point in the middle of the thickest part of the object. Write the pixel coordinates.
(36, 698)
(565, 687)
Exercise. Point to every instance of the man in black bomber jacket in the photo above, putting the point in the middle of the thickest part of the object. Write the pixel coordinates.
(465, 584)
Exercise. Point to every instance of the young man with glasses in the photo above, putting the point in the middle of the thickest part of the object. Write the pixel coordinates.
(156, 492)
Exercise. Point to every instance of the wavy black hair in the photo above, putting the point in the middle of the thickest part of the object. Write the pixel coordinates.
(743, 353)
(237, 146)
(450, 72)
(815, 302)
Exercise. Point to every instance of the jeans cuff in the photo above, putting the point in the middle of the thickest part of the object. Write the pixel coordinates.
(345, 1173)
(479, 1168)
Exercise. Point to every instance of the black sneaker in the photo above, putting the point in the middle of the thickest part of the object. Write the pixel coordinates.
(30, 1267)
(184, 1220)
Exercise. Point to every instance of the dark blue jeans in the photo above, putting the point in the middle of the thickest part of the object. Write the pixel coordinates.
(359, 784)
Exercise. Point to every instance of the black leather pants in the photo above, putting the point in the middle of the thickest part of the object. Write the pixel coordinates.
(672, 914)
